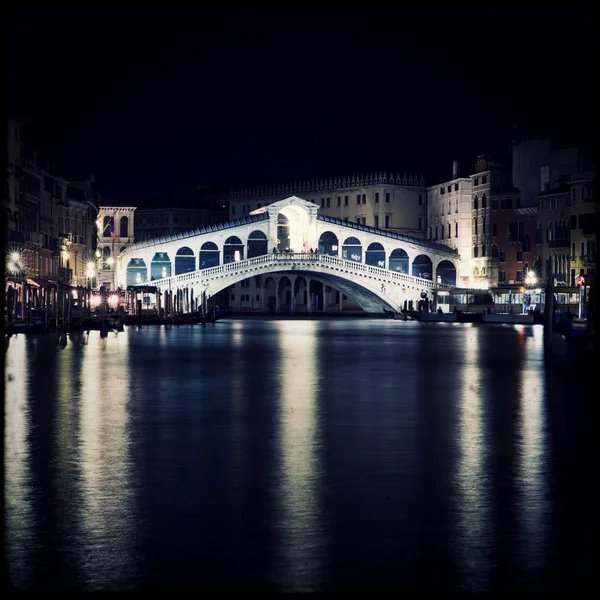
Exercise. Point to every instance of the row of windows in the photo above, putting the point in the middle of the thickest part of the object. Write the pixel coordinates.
(448, 188)
(447, 228)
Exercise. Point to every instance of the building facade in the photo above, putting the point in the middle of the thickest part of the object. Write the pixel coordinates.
(449, 219)
(583, 225)
(116, 232)
(43, 227)
(379, 200)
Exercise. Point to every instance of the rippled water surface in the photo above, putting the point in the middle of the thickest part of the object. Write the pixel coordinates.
(296, 455)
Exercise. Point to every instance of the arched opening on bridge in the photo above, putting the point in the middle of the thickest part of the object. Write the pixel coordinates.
(136, 271)
(269, 298)
(328, 244)
(209, 255)
(422, 267)
(399, 261)
(185, 261)
(257, 244)
(285, 294)
(352, 250)
(375, 255)
(124, 227)
(283, 233)
(300, 294)
(160, 267)
(233, 250)
(292, 222)
(446, 273)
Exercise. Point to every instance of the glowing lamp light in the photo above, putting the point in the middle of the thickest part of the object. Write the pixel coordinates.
(90, 269)
(95, 301)
(74, 294)
(65, 255)
(97, 253)
(110, 261)
(521, 289)
(113, 300)
(12, 267)
(15, 257)
(236, 256)
(531, 279)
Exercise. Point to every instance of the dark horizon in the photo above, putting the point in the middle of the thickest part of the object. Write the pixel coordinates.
(154, 101)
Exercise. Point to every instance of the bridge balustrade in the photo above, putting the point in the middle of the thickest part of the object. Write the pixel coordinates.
(294, 257)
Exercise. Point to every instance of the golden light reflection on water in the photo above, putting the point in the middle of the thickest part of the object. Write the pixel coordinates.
(239, 439)
(472, 502)
(300, 530)
(107, 490)
(532, 457)
(18, 489)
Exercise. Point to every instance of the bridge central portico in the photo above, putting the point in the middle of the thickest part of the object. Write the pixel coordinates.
(377, 268)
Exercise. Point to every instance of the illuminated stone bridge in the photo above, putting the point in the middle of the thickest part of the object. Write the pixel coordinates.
(377, 269)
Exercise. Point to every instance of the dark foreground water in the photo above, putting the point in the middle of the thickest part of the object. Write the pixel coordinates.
(296, 455)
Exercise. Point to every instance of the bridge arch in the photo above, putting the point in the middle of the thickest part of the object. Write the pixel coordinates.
(209, 255)
(137, 271)
(399, 261)
(185, 260)
(292, 224)
(257, 244)
(375, 255)
(352, 249)
(446, 271)
(233, 249)
(328, 243)
(422, 267)
(160, 266)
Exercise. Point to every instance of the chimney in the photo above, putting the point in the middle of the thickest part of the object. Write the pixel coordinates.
(455, 168)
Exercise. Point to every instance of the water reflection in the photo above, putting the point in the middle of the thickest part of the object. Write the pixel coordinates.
(107, 486)
(18, 490)
(473, 501)
(532, 457)
(300, 530)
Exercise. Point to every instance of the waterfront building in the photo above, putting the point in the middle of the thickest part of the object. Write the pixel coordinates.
(583, 225)
(449, 219)
(116, 232)
(48, 224)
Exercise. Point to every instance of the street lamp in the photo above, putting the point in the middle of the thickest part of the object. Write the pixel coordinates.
(531, 279)
(110, 261)
(15, 257)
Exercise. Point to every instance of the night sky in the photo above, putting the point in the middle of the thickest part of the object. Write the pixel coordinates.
(152, 101)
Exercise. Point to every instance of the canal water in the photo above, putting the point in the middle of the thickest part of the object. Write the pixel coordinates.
(296, 455)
